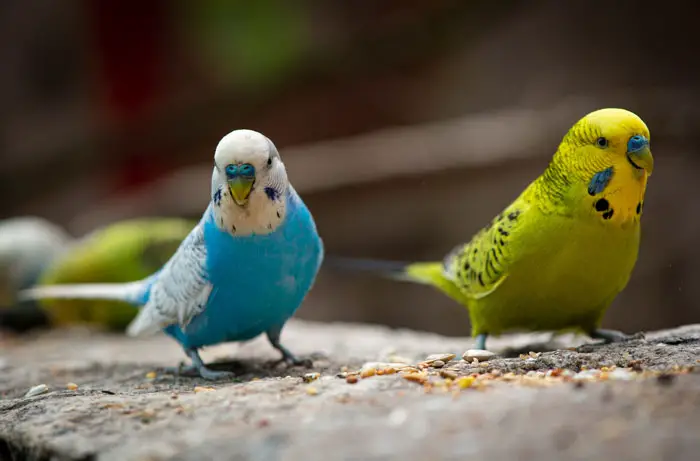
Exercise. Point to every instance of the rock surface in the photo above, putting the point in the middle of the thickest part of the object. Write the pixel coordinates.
(637, 400)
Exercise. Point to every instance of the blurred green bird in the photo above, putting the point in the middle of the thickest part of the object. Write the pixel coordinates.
(121, 252)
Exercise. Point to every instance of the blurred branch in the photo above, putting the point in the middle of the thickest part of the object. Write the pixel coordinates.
(467, 142)
(193, 120)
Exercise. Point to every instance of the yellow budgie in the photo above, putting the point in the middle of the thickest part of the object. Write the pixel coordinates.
(557, 256)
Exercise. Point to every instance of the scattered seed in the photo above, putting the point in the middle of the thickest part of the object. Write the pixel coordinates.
(619, 374)
(198, 389)
(478, 355)
(351, 379)
(465, 382)
(441, 357)
(415, 377)
(448, 374)
(37, 390)
(147, 414)
(72, 387)
(384, 365)
(438, 364)
(311, 390)
(309, 377)
(554, 373)
(263, 423)
(369, 372)
(151, 375)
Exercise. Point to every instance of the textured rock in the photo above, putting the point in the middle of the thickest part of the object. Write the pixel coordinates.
(120, 410)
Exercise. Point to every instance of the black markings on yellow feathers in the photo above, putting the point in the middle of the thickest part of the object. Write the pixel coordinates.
(480, 265)
(603, 206)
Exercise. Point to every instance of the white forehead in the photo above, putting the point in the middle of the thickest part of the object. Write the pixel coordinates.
(242, 146)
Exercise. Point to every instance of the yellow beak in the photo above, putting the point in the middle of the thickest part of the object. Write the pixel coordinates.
(642, 159)
(240, 188)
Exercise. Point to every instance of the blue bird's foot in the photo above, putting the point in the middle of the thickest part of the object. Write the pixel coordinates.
(287, 356)
(188, 370)
(294, 361)
(614, 336)
(481, 341)
(215, 375)
(198, 369)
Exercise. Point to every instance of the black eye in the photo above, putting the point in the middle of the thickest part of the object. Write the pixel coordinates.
(269, 161)
(601, 142)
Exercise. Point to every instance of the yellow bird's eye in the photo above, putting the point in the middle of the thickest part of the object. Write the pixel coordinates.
(602, 142)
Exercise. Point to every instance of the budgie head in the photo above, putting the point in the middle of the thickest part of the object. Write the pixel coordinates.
(604, 160)
(608, 138)
(249, 184)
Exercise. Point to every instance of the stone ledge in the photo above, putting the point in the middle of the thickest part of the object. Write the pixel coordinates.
(119, 413)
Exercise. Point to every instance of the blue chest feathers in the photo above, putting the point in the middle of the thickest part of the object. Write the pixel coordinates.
(258, 281)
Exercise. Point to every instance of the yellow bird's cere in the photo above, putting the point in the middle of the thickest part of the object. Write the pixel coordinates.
(557, 256)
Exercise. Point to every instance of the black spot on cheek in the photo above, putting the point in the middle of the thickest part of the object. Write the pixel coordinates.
(272, 193)
(466, 265)
(217, 197)
(514, 215)
(233, 228)
(608, 214)
(602, 205)
(639, 207)
(278, 214)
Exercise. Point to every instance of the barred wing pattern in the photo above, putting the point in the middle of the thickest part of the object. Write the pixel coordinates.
(180, 291)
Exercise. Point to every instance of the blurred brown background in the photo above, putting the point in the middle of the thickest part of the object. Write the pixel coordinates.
(405, 125)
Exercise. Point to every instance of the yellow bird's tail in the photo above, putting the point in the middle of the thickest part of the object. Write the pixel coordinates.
(427, 273)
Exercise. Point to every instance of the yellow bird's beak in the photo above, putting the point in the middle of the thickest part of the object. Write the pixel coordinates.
(240, 188)
(642, 159)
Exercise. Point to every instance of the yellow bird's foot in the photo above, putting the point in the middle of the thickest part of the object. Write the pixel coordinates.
(481, 341)
(614, 336)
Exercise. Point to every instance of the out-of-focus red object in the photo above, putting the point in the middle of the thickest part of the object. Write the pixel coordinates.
(130, 38)
(130, 48)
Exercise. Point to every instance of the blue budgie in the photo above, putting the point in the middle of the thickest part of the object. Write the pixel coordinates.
(242, 271)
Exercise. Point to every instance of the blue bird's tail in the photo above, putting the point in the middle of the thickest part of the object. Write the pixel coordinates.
(133, 292)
